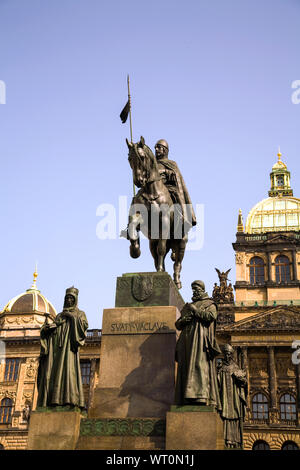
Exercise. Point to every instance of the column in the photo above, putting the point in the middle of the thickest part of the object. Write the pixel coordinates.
(92, 380)
(295, 276)
(269, 267)
(235, 354)
(272, 376)
(244, 366)
(244, 363)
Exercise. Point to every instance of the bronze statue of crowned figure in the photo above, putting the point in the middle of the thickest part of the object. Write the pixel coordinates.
(59, 376)
(162, 209)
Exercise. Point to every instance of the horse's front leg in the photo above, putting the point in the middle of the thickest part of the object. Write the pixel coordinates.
(161, 253)
(133, 229)
(153, 250)
(163, 238)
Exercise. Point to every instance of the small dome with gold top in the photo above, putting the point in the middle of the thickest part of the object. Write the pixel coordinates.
(280, 211)
(30, 302)
(279, 164)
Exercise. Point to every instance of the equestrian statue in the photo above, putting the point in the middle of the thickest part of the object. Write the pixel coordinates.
(162, 209)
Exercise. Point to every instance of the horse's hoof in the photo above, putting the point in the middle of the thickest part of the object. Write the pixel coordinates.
(134, 252)
(179, 285)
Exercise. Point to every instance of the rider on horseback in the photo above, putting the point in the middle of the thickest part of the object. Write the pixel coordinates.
(162, 209)
(174, 181)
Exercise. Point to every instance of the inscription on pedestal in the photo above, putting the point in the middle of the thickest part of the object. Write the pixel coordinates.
(137, 368)
(138, 320)
(139, 327)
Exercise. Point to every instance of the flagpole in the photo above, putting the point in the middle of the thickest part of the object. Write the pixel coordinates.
(130, 120)
(129, 100)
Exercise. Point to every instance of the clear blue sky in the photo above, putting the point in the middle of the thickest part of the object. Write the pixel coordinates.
(212, 77)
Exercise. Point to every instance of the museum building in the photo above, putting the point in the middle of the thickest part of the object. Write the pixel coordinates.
(264, 320)
(262, 323)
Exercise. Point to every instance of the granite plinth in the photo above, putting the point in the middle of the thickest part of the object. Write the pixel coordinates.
(147, 289)
(120, 443)
(137, 369)
(53, 430)
(196, 428)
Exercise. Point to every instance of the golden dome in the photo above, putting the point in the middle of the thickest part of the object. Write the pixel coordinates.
(274, 214)
(29, 302)
(279, 164)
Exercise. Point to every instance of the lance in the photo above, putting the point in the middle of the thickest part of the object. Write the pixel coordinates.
(130, 120)
(124, 116)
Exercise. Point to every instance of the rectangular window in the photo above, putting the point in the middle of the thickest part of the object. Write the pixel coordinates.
(11, 370)
(85, 372)
(6, 407)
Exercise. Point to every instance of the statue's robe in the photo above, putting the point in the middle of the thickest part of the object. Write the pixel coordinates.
(196, 350)
(59, 375)
(178, 190)
(232, 385)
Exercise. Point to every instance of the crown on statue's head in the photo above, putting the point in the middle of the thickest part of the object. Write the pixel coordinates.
(72, 291)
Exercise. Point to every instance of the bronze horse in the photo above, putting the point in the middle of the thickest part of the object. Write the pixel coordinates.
(153, 212)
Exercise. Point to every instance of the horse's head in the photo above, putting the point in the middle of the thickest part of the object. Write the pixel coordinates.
(142, 162)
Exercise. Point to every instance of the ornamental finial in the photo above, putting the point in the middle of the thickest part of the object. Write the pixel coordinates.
(279, 154)
(35, 275)
(240, 225)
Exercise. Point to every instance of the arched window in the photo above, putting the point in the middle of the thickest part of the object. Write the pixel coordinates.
(260, 406)
(6, 407)
(288, 407)
(282, 269)
(280, 180)
(260, 445)
(257, 270)
(289, 445)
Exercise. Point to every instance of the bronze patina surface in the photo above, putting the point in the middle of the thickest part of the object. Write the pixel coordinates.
(59, 375)
(196, 350)
(233, 387)
(162, 209)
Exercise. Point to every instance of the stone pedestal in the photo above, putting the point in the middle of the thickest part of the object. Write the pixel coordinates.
(147, 290)
(194, 428)
(137, 370)
(53, 430)
(137, 366)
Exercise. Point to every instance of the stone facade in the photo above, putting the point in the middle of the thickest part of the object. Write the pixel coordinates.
(263, 346)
